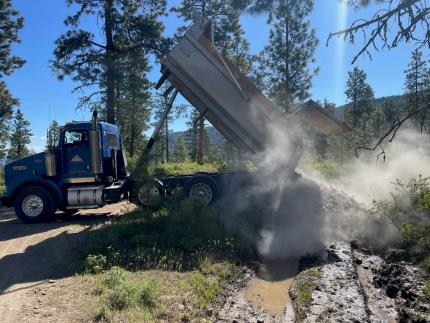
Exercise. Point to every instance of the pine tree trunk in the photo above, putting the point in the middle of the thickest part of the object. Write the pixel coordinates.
(167, 140)
(110, 65)
(354, 110)
(133, 123)
(201, 141)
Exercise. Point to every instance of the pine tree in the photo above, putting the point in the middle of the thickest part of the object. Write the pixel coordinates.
(20, 137)
(180, 150)
(159, 103)
(360, 112)
(133, 104)
(11, 23)
(392, 111)
(285, 62)
(416, 77)
(53, 137)
(360, 96)
(192, 134)
(322, 141)
(378, 123)
(94, 59)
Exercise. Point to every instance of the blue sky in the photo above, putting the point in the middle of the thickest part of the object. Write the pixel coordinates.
(40, 92)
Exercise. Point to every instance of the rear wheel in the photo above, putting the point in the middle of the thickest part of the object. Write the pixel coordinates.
(35, 204)
(203, 188)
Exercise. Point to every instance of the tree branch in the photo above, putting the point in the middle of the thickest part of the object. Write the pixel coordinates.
(407, 14)
(391, 133)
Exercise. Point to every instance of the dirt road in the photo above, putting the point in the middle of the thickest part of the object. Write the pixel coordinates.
(38, 263)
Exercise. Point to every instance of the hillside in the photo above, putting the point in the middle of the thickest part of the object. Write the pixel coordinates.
(214, 135)
(396, 99)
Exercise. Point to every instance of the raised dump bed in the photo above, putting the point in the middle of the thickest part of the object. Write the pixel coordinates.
(227, 98)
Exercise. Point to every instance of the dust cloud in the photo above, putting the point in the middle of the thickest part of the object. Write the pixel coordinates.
(287, 215)
(407, 156)
(274, 207)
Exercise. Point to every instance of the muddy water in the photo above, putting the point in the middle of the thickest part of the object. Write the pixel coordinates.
(269, 289)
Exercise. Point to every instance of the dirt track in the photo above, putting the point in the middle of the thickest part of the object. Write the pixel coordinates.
(38, 264)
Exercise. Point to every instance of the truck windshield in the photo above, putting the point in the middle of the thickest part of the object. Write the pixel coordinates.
(75, 137)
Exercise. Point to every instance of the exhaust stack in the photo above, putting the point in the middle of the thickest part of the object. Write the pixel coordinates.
(50, 162)
(96, 166)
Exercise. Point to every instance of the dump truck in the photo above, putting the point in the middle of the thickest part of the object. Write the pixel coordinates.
(87, 167)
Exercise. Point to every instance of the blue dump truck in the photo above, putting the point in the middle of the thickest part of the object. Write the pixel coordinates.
(87, 167)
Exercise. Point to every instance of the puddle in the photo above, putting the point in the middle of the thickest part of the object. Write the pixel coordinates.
(269, 289)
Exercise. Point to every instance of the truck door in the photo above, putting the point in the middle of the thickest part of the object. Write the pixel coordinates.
(76, 153)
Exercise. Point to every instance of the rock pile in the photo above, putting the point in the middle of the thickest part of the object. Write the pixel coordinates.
(355, 286)
(403, 283)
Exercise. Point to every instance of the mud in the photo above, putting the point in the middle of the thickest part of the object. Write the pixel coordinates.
(269, 290)
(404, 284)
(237, 309)
(381, 308)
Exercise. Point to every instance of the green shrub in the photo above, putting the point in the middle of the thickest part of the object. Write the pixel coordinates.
(424, 203)
(409, 211)
(426, 265)
(415, 239)
(148, 293)
(95, 263)
(205, 287)
(427, 291)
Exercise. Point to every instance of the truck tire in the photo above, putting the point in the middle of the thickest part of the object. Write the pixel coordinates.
(148, 193)
(35, 204)
(202, 187)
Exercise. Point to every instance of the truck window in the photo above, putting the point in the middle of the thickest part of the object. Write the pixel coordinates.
(111, 140)
(75, 137)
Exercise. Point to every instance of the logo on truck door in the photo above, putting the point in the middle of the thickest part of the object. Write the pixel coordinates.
(77, 159)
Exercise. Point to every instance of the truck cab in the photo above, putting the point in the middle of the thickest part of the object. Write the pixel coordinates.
(85, 168)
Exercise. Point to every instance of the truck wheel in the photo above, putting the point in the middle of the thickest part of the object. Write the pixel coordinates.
(203, 188)
(148, 193)
(35, 204)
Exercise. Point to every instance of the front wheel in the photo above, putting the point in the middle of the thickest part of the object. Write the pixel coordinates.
(148, 193)
(35, 204)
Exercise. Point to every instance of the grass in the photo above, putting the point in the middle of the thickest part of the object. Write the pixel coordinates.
(149, 264)
(187, 168)
(173, 238)
(121, 294)
(151, 296)
(182, 168)
(303, 287)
